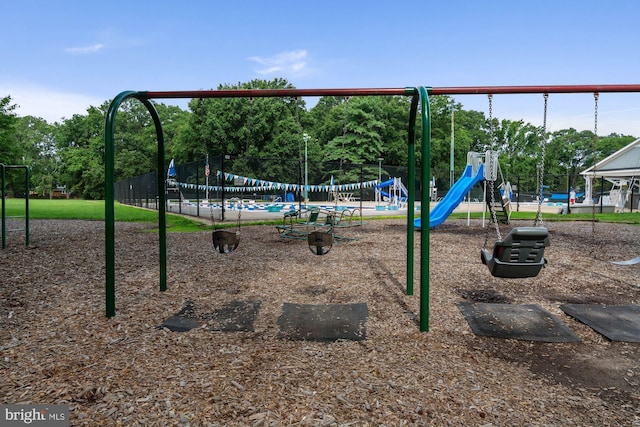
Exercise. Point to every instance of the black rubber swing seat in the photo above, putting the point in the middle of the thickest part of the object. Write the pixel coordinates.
(520, 254)
(320, 242)
(225, 241)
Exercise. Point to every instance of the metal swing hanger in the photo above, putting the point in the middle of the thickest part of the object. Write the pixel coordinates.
(489, 167)
(345, 131)
(520, 253)
(538, 219)
(596, 97)
(225, 241)
(594, 251)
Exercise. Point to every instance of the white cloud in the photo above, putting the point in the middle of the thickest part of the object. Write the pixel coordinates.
(49, 104)
(287, 63)
(81, 50)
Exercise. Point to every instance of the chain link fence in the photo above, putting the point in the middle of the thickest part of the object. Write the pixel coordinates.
(291, 181)
(259, 180)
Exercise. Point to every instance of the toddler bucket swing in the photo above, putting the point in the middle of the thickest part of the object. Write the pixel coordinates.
(520, 253)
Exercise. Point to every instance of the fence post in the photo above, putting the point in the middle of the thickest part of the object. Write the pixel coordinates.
(198, 189)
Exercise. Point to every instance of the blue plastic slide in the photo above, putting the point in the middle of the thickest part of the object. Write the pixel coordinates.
(453, 198)
(386, 184)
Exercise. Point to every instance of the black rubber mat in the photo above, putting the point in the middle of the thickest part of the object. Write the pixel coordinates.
(521, 322)
(324, 322)
(235, 316)
(182, 321)
(616, 322)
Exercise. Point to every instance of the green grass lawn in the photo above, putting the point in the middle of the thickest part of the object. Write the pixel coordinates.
(94, 210)
(622, 218)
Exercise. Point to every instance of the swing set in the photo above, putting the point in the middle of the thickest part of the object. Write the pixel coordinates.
(519, 254)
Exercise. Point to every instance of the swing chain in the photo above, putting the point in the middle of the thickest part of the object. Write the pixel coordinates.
(538, 219)
(491, 134)
(490, 166)
(492, 189)
(301, 158)
(595, 124)
(596, 95)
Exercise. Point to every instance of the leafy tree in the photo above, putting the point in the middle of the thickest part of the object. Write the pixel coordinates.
(359, 141)
(327, 121)
(348, 132)
(258, 127)
(80, 142)
(569, 152)
(10, 151)
(361, 137)
(320, 123)
(394, 113)
(36, 137)
(441, 108)
(471, 134)
(353, 131)
(519, 144)
(135, 144)
(175, 121)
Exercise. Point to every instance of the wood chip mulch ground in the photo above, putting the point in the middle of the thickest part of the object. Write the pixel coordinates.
(57, 346)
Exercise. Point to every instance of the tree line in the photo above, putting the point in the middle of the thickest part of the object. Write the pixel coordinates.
(355, 130)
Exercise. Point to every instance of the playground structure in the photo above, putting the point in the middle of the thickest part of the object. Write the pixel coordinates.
(318, 227)
(476, 171)
(392, 192)
(27, 178)
(419, 98)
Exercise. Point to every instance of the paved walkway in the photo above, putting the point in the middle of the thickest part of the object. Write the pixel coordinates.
(369, 209)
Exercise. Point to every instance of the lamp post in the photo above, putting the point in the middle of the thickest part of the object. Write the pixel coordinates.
(305, 137)
(380, 159)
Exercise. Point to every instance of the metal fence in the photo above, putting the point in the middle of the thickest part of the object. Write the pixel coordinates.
(294, 181)
(261, 180)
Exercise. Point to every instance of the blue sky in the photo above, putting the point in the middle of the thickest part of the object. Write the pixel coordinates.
(61, 57)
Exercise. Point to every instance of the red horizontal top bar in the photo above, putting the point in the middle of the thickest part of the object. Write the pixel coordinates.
(477, 90)
(259, 93)
(460, 90)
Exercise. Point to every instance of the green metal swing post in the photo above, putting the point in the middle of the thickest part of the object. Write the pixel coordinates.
(27, 179)
(109, 214)
(411, 189)
(425, 228)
